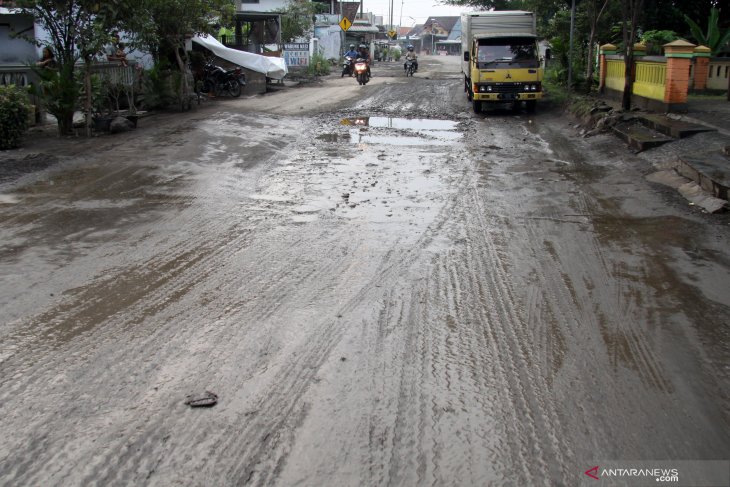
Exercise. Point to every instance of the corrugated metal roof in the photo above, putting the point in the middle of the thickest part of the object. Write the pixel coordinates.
(364, 29)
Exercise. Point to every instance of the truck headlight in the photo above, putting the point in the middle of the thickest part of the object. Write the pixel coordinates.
(489, 88)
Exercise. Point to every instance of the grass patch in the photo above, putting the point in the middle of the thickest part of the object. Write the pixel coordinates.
(581, 105)
(556, 94)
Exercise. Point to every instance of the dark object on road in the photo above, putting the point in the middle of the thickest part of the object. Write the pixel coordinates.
(120, 124)
(206, 400)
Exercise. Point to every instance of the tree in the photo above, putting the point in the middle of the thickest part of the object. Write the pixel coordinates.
(296, 19)
(595, 10)
(669, 14)
(488, 4)
(162, 27)
(714, 38)
(76, 29)
(630, 12)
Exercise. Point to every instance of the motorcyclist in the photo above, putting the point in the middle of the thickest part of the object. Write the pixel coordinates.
(411, 56)
(352, 52)
(364, 53)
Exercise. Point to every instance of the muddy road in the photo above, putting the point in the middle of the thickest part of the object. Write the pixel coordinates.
(382, 287)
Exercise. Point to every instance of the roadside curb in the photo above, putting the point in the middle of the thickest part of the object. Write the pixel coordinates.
(708, 171)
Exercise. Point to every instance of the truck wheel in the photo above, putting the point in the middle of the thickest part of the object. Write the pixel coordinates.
(530, 106)
(477, 105)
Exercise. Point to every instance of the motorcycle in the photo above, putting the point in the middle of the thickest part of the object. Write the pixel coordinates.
(361, 71)
(347, 67)
(217, 80)
(410, 67)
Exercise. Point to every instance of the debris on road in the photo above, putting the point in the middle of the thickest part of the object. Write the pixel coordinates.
(206, 400)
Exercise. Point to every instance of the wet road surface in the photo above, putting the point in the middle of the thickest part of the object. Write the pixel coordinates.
(381, 287)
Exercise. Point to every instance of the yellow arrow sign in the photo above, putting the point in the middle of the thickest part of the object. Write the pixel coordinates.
(345, 24)
(391, 34)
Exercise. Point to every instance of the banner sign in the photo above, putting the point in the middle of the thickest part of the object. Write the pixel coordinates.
(296, 54)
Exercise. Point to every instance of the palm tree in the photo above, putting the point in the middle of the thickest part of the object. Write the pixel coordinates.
(713, 38)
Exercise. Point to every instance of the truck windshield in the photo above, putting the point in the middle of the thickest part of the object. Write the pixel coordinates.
(514, 51)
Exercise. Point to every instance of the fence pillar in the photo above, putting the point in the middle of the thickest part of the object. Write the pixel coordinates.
(679, 57)
(639, 50)
(702, 67)
(604, 50)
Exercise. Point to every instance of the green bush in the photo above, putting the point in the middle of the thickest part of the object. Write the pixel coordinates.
(14, 112)
(59, 91)
(655, 39)
(318, 65)
(160, 86)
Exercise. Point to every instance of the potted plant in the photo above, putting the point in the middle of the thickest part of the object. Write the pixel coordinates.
(101, 105)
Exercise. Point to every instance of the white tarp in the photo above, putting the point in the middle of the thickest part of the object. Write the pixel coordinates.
(273, 67)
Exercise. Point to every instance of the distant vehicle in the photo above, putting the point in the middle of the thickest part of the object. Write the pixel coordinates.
(500, 58)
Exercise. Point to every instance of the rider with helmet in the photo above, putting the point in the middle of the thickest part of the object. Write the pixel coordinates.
(411, 56)
(352, 52)
(364, 53)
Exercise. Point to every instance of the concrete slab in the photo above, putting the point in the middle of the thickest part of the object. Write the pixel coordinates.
(691, 191)
(710, 170)
(672, 127)
(638, 136)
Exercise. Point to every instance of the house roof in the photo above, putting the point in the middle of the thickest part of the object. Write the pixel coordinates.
(446, 23)
(455, 34)
(415, 31)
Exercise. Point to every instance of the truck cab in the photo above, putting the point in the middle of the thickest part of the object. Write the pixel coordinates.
(501, 60)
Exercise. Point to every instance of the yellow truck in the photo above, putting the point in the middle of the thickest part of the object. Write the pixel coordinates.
(501, 62)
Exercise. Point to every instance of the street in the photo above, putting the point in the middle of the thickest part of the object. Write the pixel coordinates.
(380, 286)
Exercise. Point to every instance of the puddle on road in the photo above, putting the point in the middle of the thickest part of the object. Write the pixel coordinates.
(408, 131)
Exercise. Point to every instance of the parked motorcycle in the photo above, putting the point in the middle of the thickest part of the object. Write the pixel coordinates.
(218, 81)
(410, 67)
(361, 71)
(347, 67)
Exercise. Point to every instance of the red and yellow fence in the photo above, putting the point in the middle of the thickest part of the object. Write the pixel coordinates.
(663, 80)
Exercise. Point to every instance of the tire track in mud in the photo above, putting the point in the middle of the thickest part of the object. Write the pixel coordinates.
(607, 318)
(197, 268)
(129, 463)
(496, 350)
(631, 304)
(295, 378)
(464, 355)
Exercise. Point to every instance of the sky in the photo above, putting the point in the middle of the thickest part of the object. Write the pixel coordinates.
(414, 11)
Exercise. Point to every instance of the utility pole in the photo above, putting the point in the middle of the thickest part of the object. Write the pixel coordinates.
(400, 22)
(570, 50)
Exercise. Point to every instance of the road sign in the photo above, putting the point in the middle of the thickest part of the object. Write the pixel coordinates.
(392, 34)
(345, 24)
